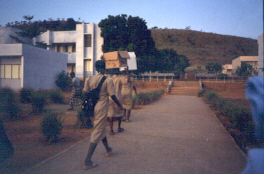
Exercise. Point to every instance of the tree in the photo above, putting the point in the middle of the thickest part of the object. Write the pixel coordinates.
(183, 63)
(213, 67)
(244, 70)
(28, 18)
(129, 33)
(169, 59)
(30, 31)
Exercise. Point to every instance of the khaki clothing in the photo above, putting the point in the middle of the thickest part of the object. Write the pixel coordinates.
(113, 108)
(101, 108)
(126, 92)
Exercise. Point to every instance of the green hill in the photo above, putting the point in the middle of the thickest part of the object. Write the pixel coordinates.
(200, 47)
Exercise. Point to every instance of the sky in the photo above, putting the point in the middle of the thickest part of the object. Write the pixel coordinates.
(243, 18)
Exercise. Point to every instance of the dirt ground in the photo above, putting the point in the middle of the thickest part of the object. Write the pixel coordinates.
(31, 147)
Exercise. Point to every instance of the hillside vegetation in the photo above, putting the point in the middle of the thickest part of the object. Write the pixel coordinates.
(200, 47)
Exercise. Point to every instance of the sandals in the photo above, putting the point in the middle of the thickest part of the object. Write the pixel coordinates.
(120, 130)
(109, 152)
(111, 133)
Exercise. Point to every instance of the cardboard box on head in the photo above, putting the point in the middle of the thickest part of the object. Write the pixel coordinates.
(131, 62)
(116, 59)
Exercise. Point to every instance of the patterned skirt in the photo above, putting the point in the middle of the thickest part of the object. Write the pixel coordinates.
(75, 99)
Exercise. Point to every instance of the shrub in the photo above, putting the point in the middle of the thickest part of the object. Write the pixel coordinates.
(144, 98)
(83, 121)
(63, 80)
(201, 93)
(56, 96)
(38, 101)
(51, 126)
(9, 105)
(222, 76)
(211, 97)
(25, 95)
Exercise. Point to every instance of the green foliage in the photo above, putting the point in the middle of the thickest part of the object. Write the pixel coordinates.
(201, 93)
(25, 95)
(222, 76)
(9, 106)
(31, 29)
(239, 116)
(38, 101)
(213, 67)
(144, 98)
(244, 70)
(63, 80)
(51, 125)
(83, 121)
(56, 96)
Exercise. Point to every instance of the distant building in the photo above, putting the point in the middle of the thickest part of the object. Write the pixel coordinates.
(227, 69)
(25, 66)
(82, 46)
(251, 60)
(260, 55)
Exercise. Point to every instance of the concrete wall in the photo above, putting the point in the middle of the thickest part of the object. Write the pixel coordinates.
(260, 55)
(41, 67)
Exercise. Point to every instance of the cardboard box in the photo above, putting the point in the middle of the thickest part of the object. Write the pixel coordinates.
(116, 59)
(131, 62)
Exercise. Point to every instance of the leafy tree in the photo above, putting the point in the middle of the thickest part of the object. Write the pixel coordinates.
(129, 33)
(28, 18)
(184, 63)
(244, 70)
(213, 67)
(30, 31)
(169, 58)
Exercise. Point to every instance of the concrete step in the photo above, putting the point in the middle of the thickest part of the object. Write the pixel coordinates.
(184, 91)
(186, 84)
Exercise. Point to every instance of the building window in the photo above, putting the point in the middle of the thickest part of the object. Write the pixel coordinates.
(88, 40)
(10, 72)
(87, 65)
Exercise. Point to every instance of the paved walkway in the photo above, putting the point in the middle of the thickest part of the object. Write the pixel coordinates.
(177, 134)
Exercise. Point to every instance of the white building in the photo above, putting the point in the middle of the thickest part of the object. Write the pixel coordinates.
(82, 46)
(251, 60)
(227, 69)
(26, 66)
(260, 55)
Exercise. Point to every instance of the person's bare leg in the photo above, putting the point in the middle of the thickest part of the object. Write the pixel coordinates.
(128, 115)
(111, 123)
(88, 164)
(124, 115)
(119, 125)
(107, 148)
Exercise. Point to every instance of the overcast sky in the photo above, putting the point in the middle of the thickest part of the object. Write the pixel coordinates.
(229, 17)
